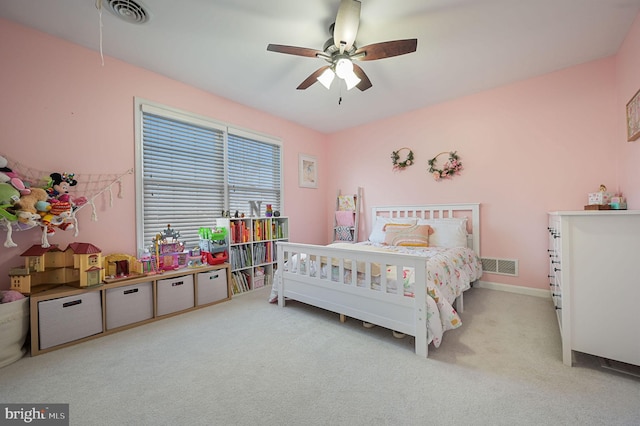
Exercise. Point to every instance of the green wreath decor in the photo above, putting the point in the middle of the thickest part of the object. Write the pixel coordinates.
(400, 165)
(451, 168)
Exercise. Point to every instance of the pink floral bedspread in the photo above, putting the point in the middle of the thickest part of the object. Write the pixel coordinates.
(450, 272)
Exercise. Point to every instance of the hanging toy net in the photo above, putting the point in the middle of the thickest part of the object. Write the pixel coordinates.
(32, 198)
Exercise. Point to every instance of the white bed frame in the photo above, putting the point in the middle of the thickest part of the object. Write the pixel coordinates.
(390, 310)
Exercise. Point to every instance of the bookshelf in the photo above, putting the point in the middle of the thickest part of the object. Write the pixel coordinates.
(252, 249)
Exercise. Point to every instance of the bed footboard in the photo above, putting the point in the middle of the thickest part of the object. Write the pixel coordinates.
(356, 284)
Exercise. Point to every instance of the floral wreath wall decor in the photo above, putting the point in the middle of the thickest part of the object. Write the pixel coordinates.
(451, 168)
(401, 165)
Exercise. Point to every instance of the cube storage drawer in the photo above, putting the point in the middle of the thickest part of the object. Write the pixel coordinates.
(175, 294)
(129, 304)
(69, 318)
(64, 315)
(212, 286)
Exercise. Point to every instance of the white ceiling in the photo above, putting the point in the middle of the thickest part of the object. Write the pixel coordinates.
(464, 46)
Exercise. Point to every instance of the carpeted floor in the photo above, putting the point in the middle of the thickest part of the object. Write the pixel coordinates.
(248, 362)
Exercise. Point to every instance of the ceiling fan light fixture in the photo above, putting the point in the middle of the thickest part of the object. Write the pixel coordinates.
(344, 67)
(351, 80)
(326, 78)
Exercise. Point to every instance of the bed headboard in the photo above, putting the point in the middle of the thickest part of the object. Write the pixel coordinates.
(438, 211)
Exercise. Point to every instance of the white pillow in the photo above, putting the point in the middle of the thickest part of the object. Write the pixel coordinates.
(377, 232)
(448, 232)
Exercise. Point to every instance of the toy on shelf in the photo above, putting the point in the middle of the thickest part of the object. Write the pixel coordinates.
(195, 258)
(169, 251)
(79, 265)
(120, 267)
(213, 244)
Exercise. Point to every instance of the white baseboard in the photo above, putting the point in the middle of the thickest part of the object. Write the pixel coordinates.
(512, 288)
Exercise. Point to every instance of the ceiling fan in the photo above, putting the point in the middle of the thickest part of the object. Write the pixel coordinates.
(340, 51)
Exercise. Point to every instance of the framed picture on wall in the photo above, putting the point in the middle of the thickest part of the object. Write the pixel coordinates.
(633, 118)
(307, 171)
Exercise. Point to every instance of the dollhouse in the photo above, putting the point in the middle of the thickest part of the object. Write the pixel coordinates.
(79, 265)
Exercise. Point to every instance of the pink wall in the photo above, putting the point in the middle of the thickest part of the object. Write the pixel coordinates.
(527, 148)
(62, 111)
(628, 79)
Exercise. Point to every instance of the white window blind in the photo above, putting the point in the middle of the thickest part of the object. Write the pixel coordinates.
(191, 169)
(254, 172)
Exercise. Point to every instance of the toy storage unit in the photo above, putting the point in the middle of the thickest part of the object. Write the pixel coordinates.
(65, 316)
(69, 318)
(212, 287)
(129, 304)
(175, 294)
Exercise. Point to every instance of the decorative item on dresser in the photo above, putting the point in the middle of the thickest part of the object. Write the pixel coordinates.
(593, 275)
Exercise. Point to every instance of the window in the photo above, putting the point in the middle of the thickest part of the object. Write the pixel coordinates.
(189, 169)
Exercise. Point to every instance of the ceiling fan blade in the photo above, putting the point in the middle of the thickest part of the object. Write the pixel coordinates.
(365, 83)
(312, 78)
(386, 49)
(293, 50)
(347, 23)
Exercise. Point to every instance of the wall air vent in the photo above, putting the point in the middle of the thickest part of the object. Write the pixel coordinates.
(128, 10)
(494, 265)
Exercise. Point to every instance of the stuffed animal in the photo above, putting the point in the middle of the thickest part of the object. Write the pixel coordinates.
(10, 296)
(59, 185)
(8, 197)
(60, 215)
(28, 202)
(8, 194)
(9, 176)
(58, 189)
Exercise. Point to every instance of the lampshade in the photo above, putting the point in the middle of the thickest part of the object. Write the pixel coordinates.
(326, 78)
(343, 67)
(351, 80)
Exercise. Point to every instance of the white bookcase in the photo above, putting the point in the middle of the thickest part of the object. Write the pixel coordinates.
(252, 249)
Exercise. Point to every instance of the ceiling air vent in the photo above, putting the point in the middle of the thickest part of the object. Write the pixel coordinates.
(128, 10)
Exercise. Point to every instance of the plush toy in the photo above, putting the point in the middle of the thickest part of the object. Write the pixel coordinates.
(59, 185)
(28, 202)
(8, 194)
(30, 208)
(60, 214)
(8, 197)
(9, 176)
(58, 189)
(11, 296)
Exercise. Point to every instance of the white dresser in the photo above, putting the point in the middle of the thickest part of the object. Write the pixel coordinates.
(594, 275)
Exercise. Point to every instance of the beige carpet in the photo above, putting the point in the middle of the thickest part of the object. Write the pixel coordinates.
(247, 362)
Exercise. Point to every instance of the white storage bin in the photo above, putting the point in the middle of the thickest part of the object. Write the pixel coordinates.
(69, 318)
(129, 304)
(212, 286)
(175, 294)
